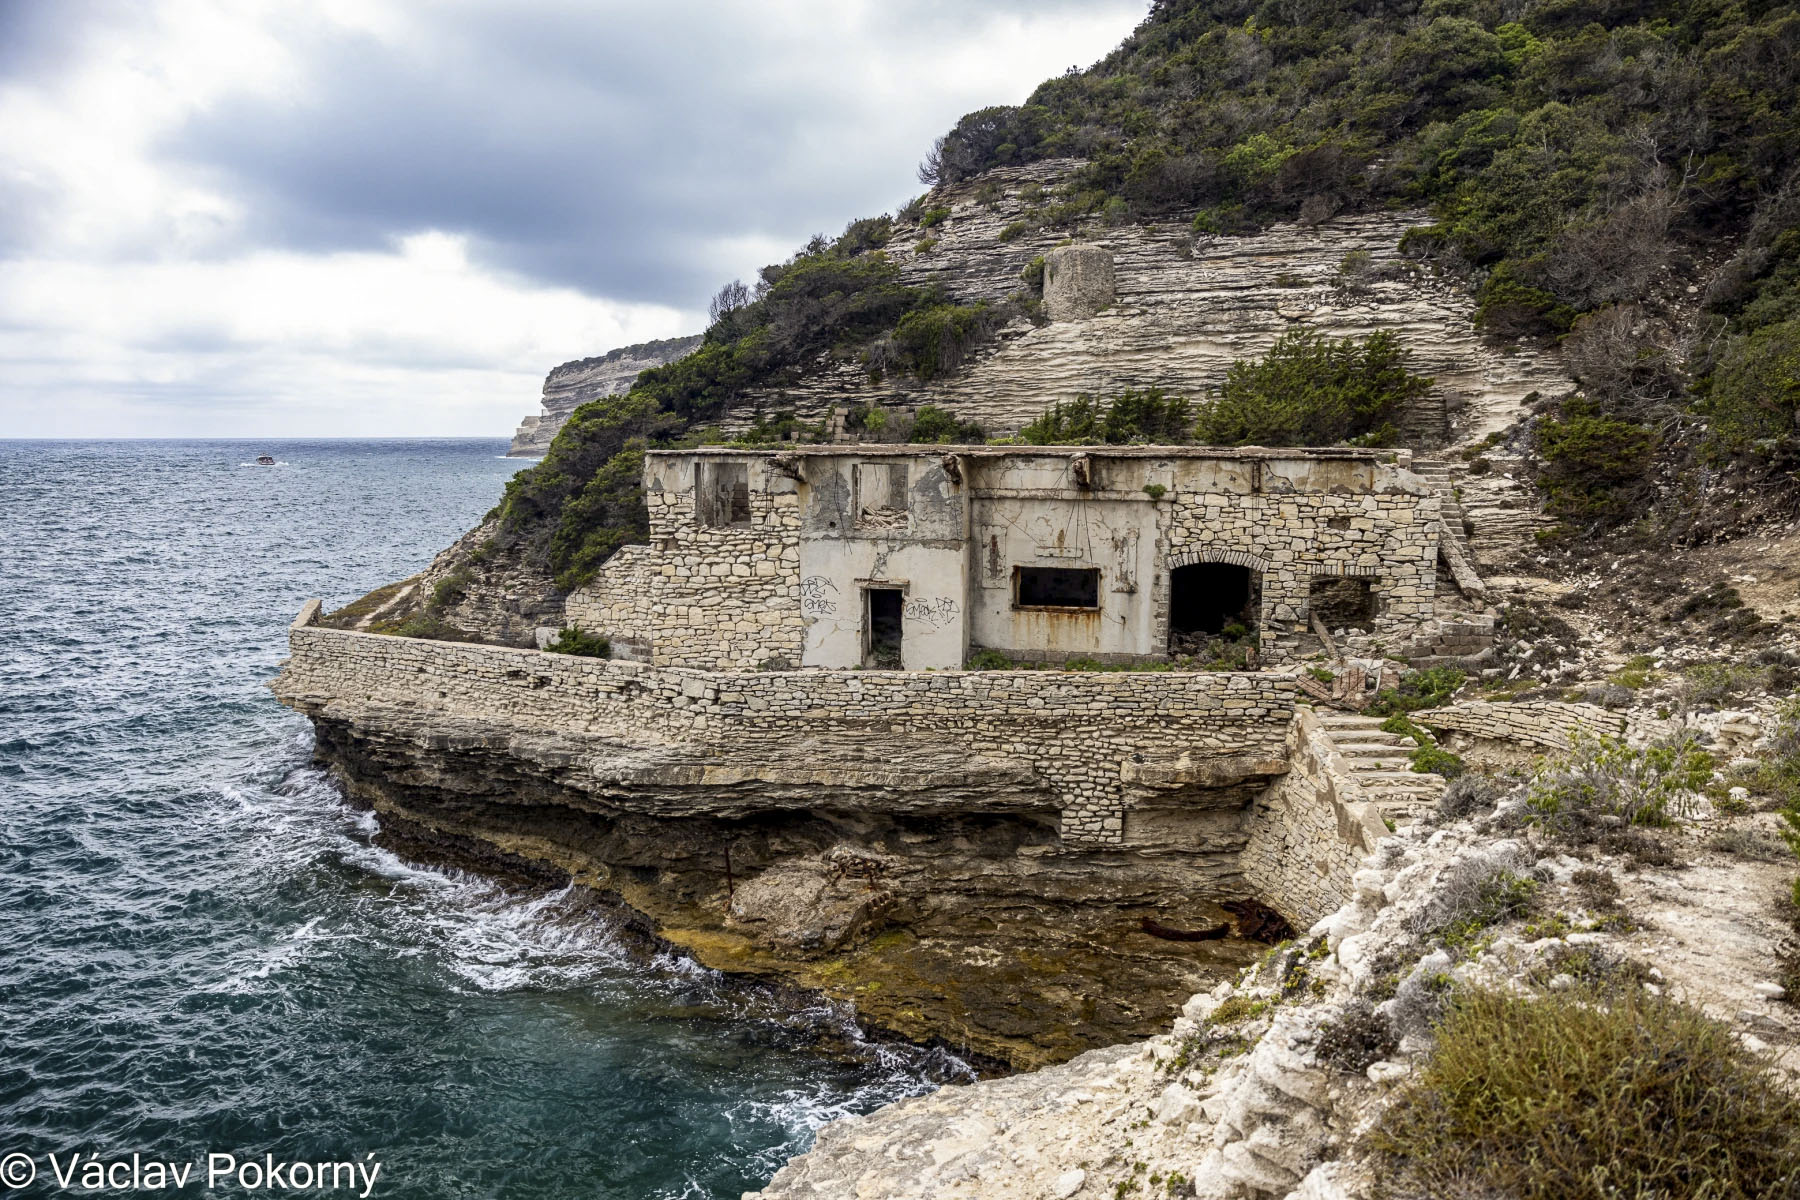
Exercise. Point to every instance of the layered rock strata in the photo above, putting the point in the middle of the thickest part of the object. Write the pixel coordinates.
(573, 384)
(1183, 308)
(916, 845)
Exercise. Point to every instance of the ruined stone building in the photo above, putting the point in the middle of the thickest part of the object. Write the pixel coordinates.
(915, 557)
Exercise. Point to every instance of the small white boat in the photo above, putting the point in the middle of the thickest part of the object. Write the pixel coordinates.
(265, 460)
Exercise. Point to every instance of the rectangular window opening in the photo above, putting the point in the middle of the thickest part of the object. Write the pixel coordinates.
(1343, 601)
(723, 495)
(1056, 587)
(881, 495)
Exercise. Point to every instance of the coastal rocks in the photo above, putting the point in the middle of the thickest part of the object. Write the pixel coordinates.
(1260, 1090)
(815, 903)
(573, 384)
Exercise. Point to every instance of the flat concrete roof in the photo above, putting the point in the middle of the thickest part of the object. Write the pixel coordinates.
(927, 449)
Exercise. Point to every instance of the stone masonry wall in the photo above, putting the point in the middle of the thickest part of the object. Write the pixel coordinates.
(1536, 723)
(1311, 829)
(1290, 538)
(720, 597)
(1074, 729)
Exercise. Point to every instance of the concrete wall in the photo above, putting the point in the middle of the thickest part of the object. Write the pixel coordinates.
(1083, 732)
(847, 547)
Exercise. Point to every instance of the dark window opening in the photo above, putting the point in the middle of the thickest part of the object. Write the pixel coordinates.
(1210, 600)
(1342, 601)
(723, 494)
(881, 495)
(884, 627)
(1056, 587)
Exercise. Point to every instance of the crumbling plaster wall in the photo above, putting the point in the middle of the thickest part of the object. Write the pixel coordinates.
(787, 587)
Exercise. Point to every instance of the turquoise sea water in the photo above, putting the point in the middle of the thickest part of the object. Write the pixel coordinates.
(201, 950)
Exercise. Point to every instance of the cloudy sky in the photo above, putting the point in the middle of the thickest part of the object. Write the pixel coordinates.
(390, 217)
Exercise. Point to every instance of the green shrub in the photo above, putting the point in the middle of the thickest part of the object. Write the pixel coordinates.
(1595, 467)
(1147, 416)
(1580, 1096)
(1602, 780)
(1435, 760)
(1032, 275)
(1431, 688)
(1754, 398)
(932, 424)
(450, 589)
(1016, 230)
(933, 341)
(570, 640)
(933, 216)
(1312, 391)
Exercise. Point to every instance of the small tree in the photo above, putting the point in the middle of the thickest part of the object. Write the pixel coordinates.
(1148, 416)
(728, 300)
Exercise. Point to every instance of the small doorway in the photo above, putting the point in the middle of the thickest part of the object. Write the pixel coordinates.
(1210, 600)
(882, 628)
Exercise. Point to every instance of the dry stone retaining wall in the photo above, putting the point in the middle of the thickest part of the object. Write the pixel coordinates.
(1312, 829)
(1074, 729)
(720, 597)
(1536, 723)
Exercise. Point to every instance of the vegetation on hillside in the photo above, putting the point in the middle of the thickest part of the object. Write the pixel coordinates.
(840, 299)
(1566, 149)
(1580, 161)
(1589, 1093)
(1575, 159)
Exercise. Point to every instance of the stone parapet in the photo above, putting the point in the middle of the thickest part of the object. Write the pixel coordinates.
(1076, 731)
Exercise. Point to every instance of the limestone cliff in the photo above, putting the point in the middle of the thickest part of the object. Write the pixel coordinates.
(1185, 308)
(573, 384)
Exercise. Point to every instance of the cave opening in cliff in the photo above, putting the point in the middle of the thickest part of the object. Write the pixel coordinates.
(1210, 599)
(882, 627)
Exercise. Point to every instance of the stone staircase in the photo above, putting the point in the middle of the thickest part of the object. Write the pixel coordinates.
(1496, 518)
(1439, 475)
(1379, 762)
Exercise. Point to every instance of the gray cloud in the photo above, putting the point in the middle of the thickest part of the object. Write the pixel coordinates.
(227, 218)
(601, 149)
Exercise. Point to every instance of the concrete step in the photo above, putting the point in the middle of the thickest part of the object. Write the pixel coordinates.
(1360, 767)
(1334, 721)
(1373, 743)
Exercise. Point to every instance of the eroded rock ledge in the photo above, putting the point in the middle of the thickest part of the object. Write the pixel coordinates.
(994, 860)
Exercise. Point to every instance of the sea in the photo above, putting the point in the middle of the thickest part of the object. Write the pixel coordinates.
(206, 959)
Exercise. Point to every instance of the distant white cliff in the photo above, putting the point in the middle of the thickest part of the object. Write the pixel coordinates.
(573, 384)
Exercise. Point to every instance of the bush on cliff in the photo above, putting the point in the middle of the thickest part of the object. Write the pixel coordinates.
(1593, 464)
(570, 640)
(1578, 1095)
(1148, 416)
(1310, 390)
(932, 424)
(584, 500)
